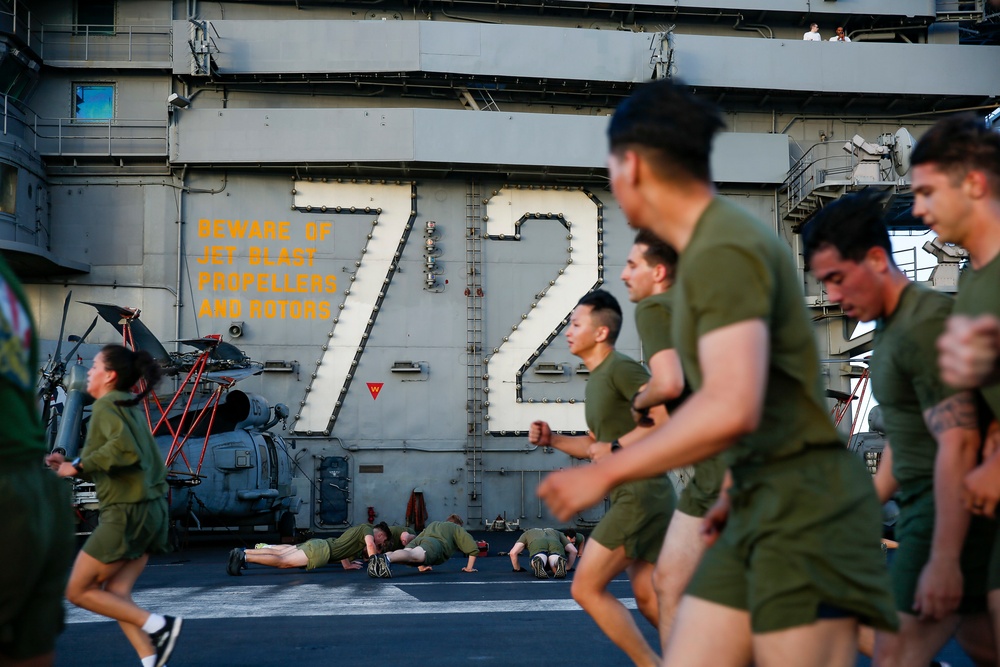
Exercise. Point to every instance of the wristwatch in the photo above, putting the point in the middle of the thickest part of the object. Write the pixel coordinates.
(615, 445)
(77, 463)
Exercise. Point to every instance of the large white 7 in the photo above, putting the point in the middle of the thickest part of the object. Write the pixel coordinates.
(581, 213)
(392, 208)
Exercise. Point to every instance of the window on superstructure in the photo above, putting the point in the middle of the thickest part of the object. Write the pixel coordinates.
(8, 189)
(93, 101)
(95, 17)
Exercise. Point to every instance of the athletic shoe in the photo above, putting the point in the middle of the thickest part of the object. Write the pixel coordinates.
(538, 567)
(165, 638)
(378, 567)
(560, 568)
(237, 562)
(261, 545)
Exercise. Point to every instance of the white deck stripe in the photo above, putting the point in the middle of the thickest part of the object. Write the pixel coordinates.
(320, 600)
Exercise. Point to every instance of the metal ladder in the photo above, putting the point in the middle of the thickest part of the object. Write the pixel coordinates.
(474, 350)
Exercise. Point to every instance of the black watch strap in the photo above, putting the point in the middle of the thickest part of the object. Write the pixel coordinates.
(77, 463)
(615, 445)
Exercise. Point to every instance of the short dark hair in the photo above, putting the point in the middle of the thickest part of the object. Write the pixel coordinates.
(604, 307)
(959, 144)
(454, 518)
(657, 251)
(852, 225)
(671, 128)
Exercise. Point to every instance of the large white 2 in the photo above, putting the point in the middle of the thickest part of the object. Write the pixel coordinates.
(392, 206)
(581, 213)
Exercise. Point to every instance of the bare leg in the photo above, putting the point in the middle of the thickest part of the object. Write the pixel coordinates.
(679, 558)
(640, 573)
(696, 620)
(825, 643)
(121, 585)
(590, 590)
(975, 636)
(86, 590)
(283, 556)
(866, 640)
(414, 556)
(916, 643)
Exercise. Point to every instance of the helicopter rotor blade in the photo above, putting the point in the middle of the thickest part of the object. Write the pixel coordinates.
(62, 326)
(69, 355)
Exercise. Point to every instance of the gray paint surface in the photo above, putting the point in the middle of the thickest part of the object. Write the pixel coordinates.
(428, 135)
(409, 46)
(904, 69)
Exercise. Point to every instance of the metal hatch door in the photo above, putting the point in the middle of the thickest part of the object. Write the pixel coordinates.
(334, 491)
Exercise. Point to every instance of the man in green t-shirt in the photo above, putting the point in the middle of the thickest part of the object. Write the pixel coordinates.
(939, 572)
(792, 568)
(629, 536)
(548, 549)
(956, 187)
(648, 275)
(314, 553)
(434, 545)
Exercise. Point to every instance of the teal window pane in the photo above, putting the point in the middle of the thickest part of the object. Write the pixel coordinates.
(94, 102)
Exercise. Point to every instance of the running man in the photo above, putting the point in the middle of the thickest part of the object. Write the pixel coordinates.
(939, 572)
(547, 548)
(433, 546)
(648, 275)
(311, 554)
(956, 187)
(37, 519)
(629, 536)
(792, 568)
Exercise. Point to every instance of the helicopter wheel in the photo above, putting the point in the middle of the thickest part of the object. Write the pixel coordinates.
(286, 526)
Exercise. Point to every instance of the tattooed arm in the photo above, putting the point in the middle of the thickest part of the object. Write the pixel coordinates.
(953, 423)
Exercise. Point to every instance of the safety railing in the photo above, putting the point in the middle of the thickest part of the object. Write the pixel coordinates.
(817, 167)
(960, 10)
(16, 21)
(148, 45)
(120, 137)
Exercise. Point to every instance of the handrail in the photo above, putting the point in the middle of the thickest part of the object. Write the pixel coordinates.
(146, 42)
(807, 173)
(75, 136)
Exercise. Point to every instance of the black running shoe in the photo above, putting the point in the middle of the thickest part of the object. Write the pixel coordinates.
(560, 568)
(538, 567)
(165, 638)
(237, 562)
(384, 571)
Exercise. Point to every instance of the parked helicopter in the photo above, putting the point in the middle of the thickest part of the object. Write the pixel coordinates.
(225, 467)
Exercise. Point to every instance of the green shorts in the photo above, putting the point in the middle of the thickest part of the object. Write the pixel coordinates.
(37, 525)
(638, 519)
(915, 532)
(126, 531)
(803, 533)
(702, 490)
(546, 546)
(434, 550)
(317, 552)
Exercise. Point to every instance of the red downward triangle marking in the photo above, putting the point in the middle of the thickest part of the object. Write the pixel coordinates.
(375, 388)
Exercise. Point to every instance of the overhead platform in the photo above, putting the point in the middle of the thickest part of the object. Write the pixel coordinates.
(459, 139)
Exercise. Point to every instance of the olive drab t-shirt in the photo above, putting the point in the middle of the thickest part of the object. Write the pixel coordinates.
(906, 382)
(736, 269)
(351, 543)
(979, 294)
(607, 400)
(654, 322)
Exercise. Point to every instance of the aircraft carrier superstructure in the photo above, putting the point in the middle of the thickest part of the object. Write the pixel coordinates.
(393, 205)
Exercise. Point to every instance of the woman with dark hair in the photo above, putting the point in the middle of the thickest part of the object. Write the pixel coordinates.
(124, 462)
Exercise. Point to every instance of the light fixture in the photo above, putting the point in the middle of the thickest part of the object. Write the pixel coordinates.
(178, 101)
